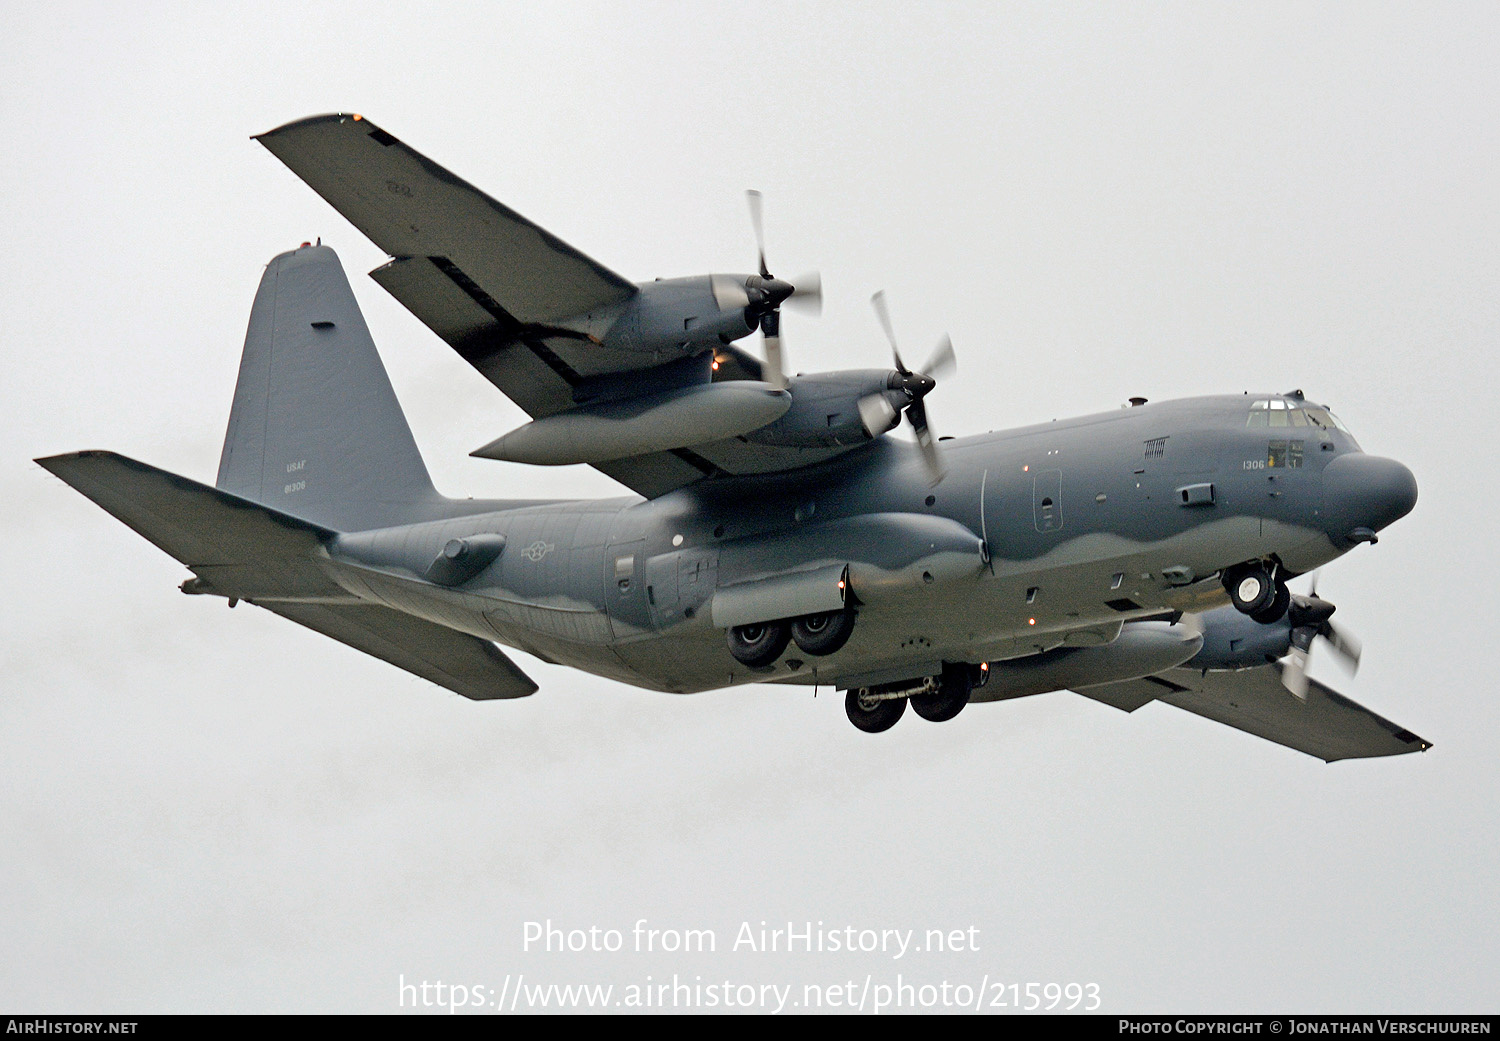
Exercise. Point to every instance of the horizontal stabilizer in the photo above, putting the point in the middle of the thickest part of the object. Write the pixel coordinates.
(464, 664)
(246, 550)
(1325, 724)
(238, 547)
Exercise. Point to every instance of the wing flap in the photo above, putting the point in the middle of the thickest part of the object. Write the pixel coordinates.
(442, 305)
(519, 364)
(466, 665)
(410, 206)
(1326, 724)
(1127, 696)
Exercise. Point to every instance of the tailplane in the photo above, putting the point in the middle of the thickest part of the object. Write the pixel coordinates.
(315, 430)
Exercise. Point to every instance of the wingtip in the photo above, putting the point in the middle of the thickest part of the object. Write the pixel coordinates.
(52, 463)
(307, 121)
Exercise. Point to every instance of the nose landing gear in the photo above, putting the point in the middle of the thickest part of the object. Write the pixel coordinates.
(1255, 592)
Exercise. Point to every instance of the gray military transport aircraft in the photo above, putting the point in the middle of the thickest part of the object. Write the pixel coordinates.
(776, 534)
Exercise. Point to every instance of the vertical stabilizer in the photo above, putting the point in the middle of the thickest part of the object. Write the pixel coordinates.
(316, 430)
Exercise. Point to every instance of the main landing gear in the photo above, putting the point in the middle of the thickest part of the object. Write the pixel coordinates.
(935, 698)
(1256, 592)
(761, 643)
(874, 710)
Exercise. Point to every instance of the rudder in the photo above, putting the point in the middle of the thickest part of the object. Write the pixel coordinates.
(315, 430)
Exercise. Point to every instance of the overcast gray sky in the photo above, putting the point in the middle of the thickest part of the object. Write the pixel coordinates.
(216, 810)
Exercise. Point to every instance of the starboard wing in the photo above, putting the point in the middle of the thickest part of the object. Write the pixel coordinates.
(504, 293)
(411, 207)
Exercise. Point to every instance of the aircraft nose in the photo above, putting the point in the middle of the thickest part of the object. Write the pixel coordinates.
(1364, 493)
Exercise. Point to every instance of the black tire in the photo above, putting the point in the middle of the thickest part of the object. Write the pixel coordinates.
(873, 716)
(820, 634)
(759, 644)
(1250, 589)
(1276, 610)
(954, 688)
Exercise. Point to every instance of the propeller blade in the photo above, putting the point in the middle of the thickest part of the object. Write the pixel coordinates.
(916, 385)
(774, 370)
(883, 313)
(1345, 644)
(877, 414)
(1294, 672)
(916, 412)
(808, 296)
(760, 235)
(943, 363)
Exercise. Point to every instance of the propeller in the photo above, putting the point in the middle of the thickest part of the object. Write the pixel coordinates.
(1311, 618)
(879, 413)
(767, 293)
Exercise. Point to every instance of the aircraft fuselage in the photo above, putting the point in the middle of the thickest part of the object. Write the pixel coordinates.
(1037, 538)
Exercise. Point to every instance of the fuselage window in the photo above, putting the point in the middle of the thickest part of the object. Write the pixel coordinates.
(1284, 454)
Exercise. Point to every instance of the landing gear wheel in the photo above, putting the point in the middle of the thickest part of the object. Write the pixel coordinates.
(1276, 610)
(1251, 589)
(758, 644)
(949, 699)
(871, 715)
(823, 633)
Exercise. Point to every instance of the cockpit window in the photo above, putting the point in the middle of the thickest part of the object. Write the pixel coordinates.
(1321, 417)
(1277, 412)
(1269, 413)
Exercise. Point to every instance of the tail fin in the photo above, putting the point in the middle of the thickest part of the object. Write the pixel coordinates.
(316, 430)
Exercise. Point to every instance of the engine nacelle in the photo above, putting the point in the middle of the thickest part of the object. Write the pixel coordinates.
(676, 315)
(826, 410)
(1232, 640)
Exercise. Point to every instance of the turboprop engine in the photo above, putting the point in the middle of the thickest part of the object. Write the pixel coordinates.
(685, 315)
(831, 409)
(1232, 640)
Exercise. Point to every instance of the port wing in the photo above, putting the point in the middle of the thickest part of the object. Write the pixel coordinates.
(1325, 724)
